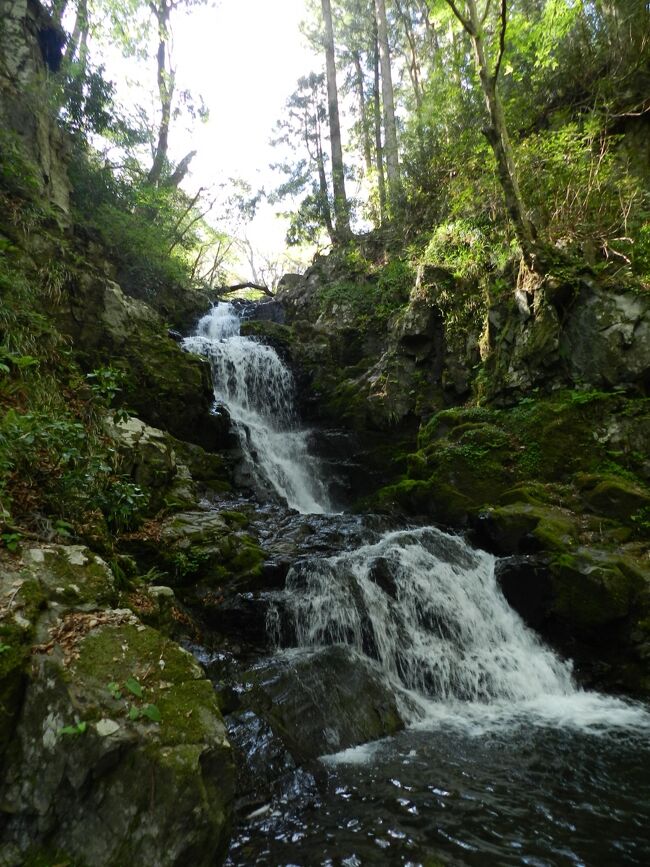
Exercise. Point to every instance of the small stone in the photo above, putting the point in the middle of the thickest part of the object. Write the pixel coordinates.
(22, 621)
(75, 555)
(36, 555)
(106, 727)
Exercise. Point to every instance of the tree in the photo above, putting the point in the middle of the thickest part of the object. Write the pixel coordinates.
(391, 152)
(341, 206)
(302, 129)
(496, 132)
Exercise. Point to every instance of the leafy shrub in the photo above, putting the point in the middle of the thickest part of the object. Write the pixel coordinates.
(465, 248)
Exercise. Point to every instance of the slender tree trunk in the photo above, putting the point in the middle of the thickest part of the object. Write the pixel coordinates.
(78, 42)
(379, 150)
(429, 27)
(363, 113)
(497, 132)
(166, 84)
(390, 127)
(341, 207)
(413, 65)
(322, 177)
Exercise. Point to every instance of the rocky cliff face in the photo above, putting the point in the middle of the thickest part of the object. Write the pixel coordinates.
(30, 50)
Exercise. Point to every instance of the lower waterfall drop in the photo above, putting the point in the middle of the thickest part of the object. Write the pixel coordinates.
(427, 607)
(257, 389)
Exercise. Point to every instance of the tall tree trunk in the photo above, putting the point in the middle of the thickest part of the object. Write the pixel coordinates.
(390, 127)
(341, 207)
(497, 132)
(166, 84)
(413, 64)
(362, 109)
(379, 150)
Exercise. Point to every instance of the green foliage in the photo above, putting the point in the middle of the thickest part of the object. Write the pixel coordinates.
(87, 99)
(378, 291)
(73, 730)
(465, 248)
(133, 687)
(19, 175)
(188, 563)
(587, 194)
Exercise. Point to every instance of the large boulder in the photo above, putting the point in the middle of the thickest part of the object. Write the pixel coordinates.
(323, 701)
(118, 750)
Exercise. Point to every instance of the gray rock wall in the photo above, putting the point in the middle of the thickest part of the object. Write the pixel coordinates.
(29, 40)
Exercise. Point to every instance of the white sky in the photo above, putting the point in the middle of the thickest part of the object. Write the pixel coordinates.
(244, 58)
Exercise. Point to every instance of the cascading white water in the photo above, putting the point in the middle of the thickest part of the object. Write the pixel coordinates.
(257, 388)
(428, 608)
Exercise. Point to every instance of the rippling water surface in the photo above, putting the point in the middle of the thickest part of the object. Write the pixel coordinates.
(519, 793)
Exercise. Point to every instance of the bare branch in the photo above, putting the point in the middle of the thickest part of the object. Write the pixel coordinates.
(226, 290)
(181, 170)
(486, 13)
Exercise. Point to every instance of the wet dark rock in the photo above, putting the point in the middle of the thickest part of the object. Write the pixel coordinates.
(381, 572)
(240, 614)
(322, 701)
(265, 769)
(267, 311)
(527, 585)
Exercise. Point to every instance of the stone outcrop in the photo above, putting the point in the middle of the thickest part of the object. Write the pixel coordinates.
(30, 50)
(167, 387)
(119, 750)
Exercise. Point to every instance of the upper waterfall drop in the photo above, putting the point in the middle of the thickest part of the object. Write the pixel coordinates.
(257, 388)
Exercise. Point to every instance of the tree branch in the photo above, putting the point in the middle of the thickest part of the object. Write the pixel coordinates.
(502, 38)
(467, 24)
(180, 171)
(225, 290)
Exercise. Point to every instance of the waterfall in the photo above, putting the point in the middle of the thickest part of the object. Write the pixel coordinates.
(427, 607)
(257, 388)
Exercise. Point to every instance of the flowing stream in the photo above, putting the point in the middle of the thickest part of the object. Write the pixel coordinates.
(504, 759)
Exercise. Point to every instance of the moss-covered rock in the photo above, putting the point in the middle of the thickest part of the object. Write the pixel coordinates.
(119, 749)
(203, 545)
(166, 387)
(615, 497)
(596, 588)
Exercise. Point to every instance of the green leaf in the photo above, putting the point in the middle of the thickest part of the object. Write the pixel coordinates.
(114, 689)
(152, 712)
(77, 729)
(134, 687)
(134, 714)
(4, 648)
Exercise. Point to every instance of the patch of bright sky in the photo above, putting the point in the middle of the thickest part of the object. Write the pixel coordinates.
(244, 57)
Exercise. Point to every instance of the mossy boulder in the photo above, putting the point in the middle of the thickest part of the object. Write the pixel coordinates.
(206, 545)
(614, 497)
(166, 387)
(146, 455)
(521, 528)
(596, 588)
(323, 701)
(118, 749)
